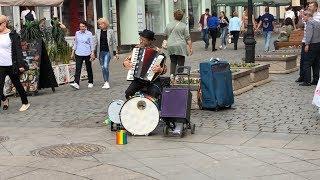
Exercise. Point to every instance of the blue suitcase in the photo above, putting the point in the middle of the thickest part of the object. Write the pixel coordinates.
(215, 85)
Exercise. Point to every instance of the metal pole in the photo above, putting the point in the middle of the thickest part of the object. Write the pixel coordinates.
(250, 42)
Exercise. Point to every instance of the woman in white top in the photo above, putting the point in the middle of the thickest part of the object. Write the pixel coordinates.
(290, 14)
(11, 63)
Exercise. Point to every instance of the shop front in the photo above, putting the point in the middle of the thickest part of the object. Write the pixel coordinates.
(135, 16)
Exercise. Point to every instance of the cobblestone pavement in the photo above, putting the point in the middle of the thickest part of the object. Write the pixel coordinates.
(270, 133)
(279, 106)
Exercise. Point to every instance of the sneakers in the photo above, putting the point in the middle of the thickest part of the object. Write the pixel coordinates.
(90, 85)
(106, 85)
(24, 107)
(75, 86)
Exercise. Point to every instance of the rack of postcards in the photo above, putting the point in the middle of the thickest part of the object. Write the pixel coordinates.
(32, 55)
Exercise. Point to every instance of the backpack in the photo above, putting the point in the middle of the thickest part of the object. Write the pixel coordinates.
(213, 22)
(29, 16)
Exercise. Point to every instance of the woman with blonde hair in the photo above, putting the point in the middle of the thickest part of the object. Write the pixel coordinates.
(106, 48)
(11, 63)
(234, 29)
(179, 41)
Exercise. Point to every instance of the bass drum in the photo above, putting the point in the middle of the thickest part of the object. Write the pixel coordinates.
(139, 115)
(114, 111)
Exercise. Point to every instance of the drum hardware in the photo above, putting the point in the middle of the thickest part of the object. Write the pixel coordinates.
(113, 113)
(139, 115)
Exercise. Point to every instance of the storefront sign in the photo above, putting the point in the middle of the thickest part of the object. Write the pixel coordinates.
(141, 19)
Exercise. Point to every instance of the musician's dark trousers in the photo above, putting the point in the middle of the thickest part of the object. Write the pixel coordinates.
(311, 59)
(151, 88)
(176, 60)
(79, 61)
(8, 70)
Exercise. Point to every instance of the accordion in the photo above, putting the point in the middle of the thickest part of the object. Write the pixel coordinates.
(143, 59)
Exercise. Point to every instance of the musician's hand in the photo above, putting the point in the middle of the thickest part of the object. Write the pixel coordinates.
(127, 65)
(157, 69)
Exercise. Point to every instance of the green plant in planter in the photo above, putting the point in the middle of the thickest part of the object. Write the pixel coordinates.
(58, 49)
(31, 31)
(243, 65)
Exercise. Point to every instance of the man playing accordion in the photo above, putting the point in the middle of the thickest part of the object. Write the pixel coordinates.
(153, 87)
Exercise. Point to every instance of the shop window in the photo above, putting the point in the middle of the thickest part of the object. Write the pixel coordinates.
(194, 14)
(154, 15)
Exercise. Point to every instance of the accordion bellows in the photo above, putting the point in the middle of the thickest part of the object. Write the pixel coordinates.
(143, 59)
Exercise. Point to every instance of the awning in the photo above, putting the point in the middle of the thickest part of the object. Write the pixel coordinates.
(31, 2)
(255, 2)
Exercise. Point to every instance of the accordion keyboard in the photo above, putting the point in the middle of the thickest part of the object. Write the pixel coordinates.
(134, 61)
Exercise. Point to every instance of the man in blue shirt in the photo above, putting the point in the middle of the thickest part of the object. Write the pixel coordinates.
(267, 22)
(213, 25)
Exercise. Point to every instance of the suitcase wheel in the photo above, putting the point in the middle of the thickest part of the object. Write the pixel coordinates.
(165, 130)
(193, 128)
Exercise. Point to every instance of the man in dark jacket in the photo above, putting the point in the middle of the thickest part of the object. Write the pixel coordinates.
(203, 24)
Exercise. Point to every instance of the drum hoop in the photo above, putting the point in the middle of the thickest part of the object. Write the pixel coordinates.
(138, 96)
(114, 101)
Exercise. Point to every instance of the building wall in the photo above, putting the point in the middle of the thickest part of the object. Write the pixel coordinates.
(155, 15)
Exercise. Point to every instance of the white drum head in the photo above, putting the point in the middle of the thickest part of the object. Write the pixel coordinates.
(114, 111)
(139, 116)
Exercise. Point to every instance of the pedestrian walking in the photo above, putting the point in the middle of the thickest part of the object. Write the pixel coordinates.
(311, 49)
(179, 41)
(224, 22)
(203, 24)
(83, 50)
(234, 29)
(290, 14)
(267, 22)
(106, 48)
(285, 32)
(214, 25)
(11, 63)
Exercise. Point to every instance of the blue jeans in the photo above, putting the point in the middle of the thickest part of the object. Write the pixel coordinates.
(205, 37)
(267, 39)
(224, 33)
(104, 62)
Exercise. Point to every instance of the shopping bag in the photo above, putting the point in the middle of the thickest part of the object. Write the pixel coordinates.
(316, 97)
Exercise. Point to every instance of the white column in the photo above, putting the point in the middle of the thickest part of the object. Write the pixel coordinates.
(55, 12)
(60, 14)
(95, 16)
(16, 17)
(85, 10)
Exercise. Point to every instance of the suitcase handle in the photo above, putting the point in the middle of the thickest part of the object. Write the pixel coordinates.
(214, 59)
(188, 68)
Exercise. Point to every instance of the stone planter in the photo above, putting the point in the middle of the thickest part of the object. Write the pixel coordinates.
(289, 51)
(241, 81)
(65, 73)
(259, 74)
(279, 64)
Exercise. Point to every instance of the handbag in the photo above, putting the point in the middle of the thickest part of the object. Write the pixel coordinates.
(165, 42)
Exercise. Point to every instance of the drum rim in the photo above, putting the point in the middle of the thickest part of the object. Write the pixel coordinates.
(139, 96)
(113, 101)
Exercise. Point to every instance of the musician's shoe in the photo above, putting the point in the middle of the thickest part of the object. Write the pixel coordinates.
(106, 85)
(90, 85)
(75, 86)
